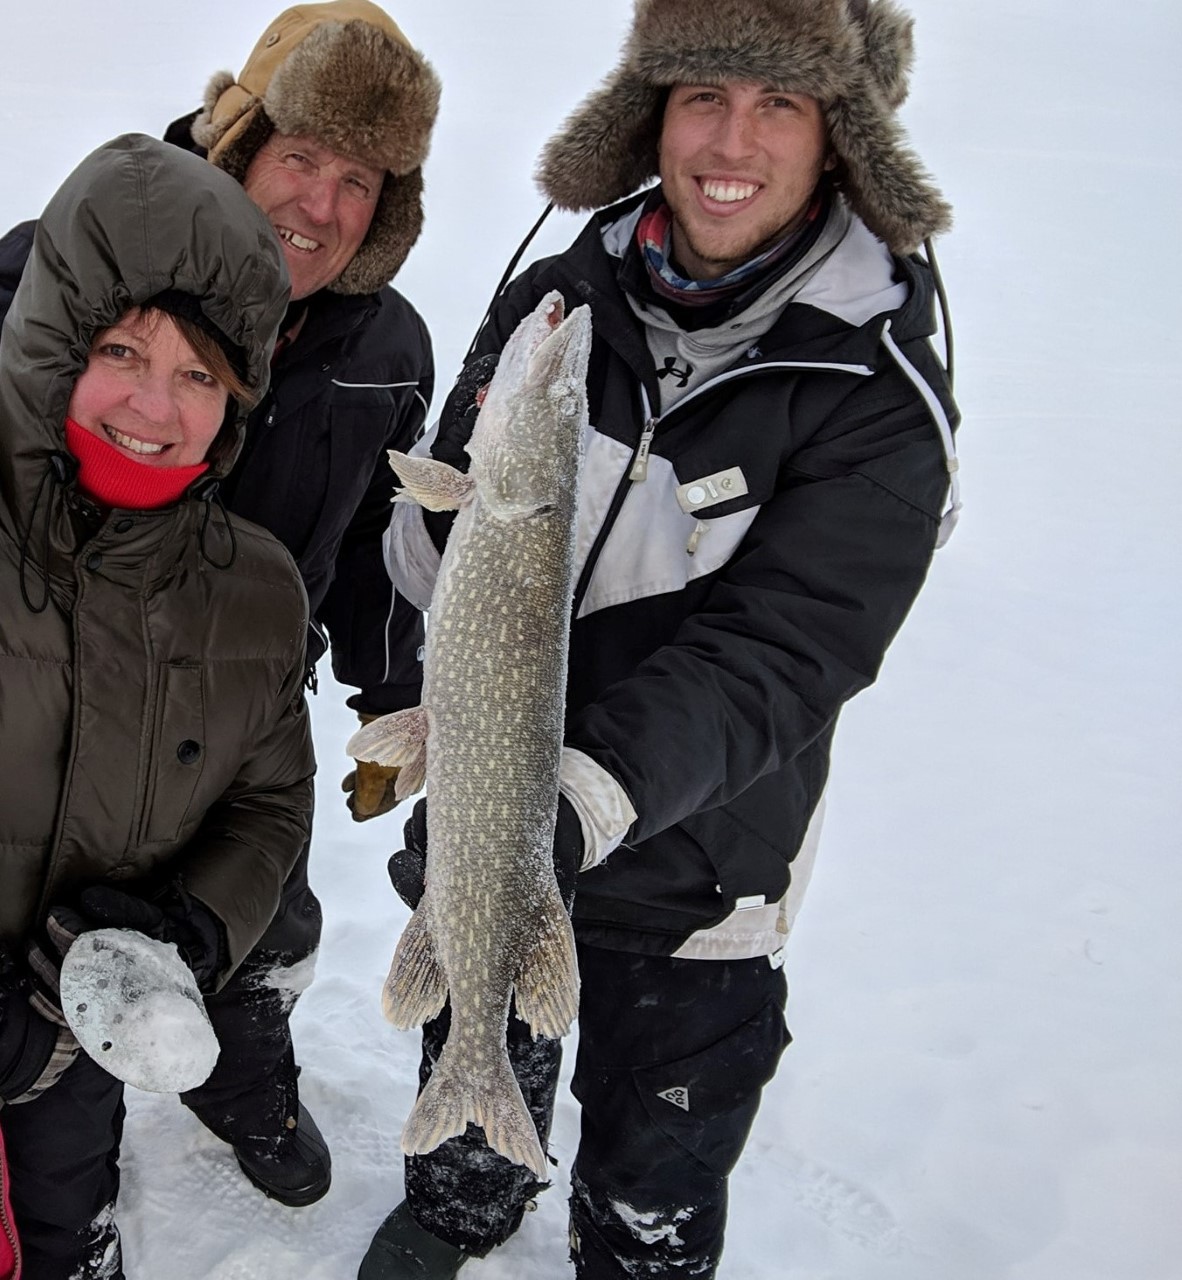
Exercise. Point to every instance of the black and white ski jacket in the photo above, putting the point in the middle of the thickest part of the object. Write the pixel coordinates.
(745, 559)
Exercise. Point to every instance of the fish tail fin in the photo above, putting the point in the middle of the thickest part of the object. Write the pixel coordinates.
(397, 741)
(547, 988)
(416, 987)
(453, 1096)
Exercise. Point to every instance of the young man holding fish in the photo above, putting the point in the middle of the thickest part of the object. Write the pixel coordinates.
(766, 477)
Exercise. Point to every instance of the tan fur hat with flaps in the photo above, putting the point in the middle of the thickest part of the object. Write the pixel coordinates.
(853, 56)
(342, 73)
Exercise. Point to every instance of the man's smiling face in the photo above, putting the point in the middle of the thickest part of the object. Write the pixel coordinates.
(739, 163)
(320, 204)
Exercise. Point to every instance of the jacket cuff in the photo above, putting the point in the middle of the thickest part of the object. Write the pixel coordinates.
(61, 1058)
(412, 558)
(604, 809)
(411, 554)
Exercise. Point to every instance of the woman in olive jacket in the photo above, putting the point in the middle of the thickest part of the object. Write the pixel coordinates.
(155, 755)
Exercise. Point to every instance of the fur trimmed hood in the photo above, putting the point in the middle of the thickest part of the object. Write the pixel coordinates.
(853, 56)
(343, 73)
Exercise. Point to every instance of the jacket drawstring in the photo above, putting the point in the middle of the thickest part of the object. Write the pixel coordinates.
(58, 472)
(209, 495)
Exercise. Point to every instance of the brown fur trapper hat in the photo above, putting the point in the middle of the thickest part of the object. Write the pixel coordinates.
(342, 73)
(853, 56)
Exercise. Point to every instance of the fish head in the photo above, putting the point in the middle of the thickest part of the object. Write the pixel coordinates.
(528, 437)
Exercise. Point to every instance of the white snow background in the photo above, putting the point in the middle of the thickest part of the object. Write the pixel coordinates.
(985, 977)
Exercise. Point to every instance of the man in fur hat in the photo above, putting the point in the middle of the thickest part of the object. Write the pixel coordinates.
(327, 128)
(767, 476)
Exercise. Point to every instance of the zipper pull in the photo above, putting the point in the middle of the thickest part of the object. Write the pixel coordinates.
(692, 545)
(640, 466)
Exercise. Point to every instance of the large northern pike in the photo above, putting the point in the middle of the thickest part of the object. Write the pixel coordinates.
(488, 739)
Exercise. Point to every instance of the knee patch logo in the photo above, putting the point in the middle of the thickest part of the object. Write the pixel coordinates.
(679, 1096)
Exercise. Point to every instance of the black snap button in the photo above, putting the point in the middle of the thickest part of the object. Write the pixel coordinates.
(94, 561)
(122, 526)
(189, 752)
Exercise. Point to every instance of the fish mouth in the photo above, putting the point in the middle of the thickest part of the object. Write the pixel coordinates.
(556, 312)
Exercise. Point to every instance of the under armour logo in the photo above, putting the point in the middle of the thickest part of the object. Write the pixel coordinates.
(672, 371)
(678, 1095)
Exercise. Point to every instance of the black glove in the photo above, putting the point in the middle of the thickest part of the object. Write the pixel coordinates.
(407, 866)
(453, 433)
(27, 1040)
(169, 916)
(458, 415)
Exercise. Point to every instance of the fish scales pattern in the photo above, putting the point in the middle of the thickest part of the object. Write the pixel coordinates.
(497, 667)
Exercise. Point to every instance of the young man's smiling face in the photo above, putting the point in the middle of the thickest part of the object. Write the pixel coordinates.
(320, 204)
(739, 163)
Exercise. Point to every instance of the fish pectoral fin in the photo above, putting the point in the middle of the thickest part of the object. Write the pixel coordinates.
(430, 483)
(547, 988)
(397, 741)
(455, 1095)
(416, 988)
(412, 776)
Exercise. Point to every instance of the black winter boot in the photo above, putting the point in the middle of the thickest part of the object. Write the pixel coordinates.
(297, 1171)
(402, 1250)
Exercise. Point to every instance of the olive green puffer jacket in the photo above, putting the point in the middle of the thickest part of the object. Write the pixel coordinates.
(152, 721)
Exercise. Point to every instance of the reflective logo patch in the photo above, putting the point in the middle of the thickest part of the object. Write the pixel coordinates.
(722, 486)
(678, 1095)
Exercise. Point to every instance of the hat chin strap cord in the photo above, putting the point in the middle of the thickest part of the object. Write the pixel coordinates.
(506, 277)
(945, 315)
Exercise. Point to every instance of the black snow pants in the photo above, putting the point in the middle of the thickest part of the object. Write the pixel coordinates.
(252, 1090)
(672, 1058)
(63, 1156)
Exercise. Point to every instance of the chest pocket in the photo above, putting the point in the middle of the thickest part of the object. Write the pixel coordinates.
(654, 546)
(177, 753)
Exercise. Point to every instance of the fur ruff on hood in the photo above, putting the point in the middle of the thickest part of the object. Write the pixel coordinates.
(853, 56)
(343, 73)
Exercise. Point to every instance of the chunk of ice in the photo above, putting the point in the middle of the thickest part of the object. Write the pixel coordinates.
(133, 1003)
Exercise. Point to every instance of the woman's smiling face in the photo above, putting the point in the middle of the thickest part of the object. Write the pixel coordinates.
(146, 391)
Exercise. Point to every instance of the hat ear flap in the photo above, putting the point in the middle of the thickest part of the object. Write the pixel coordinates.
(890, 51)
(607, 148)
(882, 179)
(395, 227)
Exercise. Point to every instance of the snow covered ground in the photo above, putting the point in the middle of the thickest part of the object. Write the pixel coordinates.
(984, 1084)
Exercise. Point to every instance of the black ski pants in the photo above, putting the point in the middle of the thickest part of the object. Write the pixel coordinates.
(63, 1156)
(672, 1058)
(253, 1091)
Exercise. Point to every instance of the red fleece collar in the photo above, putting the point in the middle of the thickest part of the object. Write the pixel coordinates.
(112, 479)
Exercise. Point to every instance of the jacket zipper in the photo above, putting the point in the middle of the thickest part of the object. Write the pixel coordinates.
(637, 472)
(9, 1230)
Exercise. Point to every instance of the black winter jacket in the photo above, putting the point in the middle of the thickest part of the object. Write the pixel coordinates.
(712, 651)
(356, 382)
